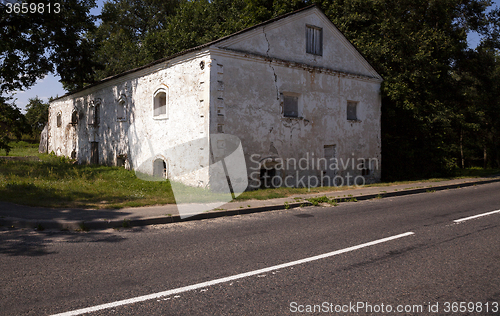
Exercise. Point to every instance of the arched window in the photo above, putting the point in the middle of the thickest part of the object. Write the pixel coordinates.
(160, 103)
(59, 119)
(121, 108)
(74, 117)
(94, 114)
(160, 169)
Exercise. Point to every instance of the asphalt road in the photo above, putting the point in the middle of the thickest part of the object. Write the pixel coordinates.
(441, 263)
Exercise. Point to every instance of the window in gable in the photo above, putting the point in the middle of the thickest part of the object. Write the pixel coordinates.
(352, 111)
(290, 106)
(314, 40)
(160, 103)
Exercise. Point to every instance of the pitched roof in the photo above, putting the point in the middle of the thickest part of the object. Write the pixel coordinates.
(195, 49)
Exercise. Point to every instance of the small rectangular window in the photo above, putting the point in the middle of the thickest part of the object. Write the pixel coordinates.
(351, 110)
(314, 40)
(291, 106)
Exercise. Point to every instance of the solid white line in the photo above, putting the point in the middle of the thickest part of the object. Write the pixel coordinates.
(475, 216)
(226, 279)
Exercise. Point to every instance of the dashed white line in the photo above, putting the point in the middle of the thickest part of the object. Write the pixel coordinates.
(475, 216)
(226, 279)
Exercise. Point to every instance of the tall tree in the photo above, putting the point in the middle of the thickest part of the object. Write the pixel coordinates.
(12, 123)
(125, 25)
(47, 37)
(415, 45)
(135, 33)
(37, 115)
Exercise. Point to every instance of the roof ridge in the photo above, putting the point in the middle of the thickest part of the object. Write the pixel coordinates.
(158, 61)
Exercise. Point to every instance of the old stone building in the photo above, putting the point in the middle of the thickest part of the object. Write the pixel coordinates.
(293, 89)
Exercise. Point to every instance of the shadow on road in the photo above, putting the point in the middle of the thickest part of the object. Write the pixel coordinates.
(31, 243)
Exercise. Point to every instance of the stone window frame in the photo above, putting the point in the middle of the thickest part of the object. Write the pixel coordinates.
(160, 116)
(314, 40)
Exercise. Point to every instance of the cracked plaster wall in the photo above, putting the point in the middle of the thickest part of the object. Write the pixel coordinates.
(253, 112)
(239, 91)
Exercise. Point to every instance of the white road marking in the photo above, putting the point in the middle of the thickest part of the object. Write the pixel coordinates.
(226, 279)
(475, 216)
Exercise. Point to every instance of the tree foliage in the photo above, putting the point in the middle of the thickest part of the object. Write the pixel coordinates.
(37, 115)
(440, 98)
(34, 44)
(420, 48)
(134, 33)
(12, 123)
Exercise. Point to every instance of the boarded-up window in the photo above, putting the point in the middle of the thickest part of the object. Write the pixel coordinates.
(314, 40)
(160, 103)
(290, 106)
(352, 110)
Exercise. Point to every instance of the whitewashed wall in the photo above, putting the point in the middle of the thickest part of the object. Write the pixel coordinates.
(140, 137)
(236, 86)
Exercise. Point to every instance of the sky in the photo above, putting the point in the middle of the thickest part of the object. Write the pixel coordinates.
(50, 85)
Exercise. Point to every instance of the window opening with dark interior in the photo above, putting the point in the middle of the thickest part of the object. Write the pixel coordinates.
(291, 106)
(352, 111)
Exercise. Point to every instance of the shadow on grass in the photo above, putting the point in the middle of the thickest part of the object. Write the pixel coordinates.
(56, 182)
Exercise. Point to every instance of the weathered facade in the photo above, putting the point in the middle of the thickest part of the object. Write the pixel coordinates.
(294, 90)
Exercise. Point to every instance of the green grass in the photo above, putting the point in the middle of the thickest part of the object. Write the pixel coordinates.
(22, 148)
(264, 194)
(57, 182)
(476, 172)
